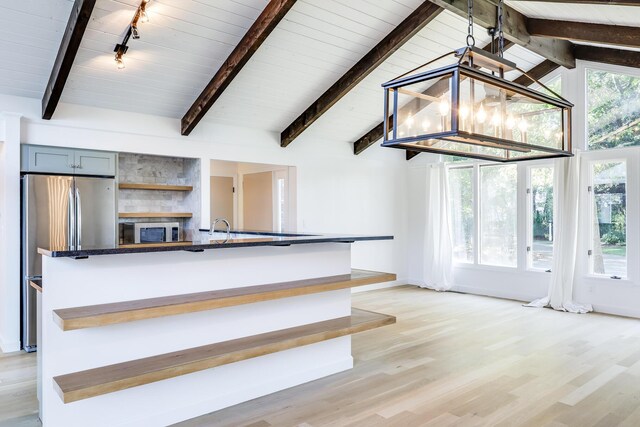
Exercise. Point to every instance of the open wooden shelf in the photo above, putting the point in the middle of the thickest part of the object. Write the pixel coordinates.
(155, 215)
(108, 379)
(128, 311)
(161, 187)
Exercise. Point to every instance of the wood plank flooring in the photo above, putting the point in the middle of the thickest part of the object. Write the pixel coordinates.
(450, 360)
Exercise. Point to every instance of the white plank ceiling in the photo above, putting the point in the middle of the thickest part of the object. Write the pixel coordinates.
(30, 34)
(186, 41)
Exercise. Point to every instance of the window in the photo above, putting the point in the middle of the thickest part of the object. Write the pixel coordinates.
(613, 115)
(540, 241)
(498, 215)
(461, 212)
(608, 191)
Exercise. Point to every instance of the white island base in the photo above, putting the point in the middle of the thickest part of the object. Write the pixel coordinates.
(69, 283)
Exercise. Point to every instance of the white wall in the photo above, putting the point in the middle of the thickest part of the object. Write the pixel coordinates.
(337, 191)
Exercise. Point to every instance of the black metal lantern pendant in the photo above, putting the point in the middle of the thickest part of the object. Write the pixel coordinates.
(468, 109)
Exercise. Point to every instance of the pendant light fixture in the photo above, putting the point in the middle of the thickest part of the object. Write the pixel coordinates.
(469, 109)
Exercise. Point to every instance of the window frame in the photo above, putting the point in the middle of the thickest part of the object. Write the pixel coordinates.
(631, 155)
(529, 212)
(466, 165)
(583, 98)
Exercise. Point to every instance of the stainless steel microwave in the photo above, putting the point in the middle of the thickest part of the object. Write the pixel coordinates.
(149, 232)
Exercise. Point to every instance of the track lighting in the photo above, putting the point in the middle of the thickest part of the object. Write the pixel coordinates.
(132, 32)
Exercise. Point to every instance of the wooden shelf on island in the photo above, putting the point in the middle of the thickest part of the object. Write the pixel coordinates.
(155, 215)
(128, 311)
(121, 376)
(161, 187)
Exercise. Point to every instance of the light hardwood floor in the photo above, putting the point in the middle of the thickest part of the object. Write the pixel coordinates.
(451, 360)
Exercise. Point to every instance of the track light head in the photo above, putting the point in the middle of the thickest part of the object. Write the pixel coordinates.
(120, 50)
(134, 32)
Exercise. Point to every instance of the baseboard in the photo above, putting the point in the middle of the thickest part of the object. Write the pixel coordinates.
(521, 297)
(9, 346)
(375, 286)
(616, 311)
(515, 296)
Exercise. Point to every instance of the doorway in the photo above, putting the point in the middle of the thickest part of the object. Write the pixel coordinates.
(254, 196)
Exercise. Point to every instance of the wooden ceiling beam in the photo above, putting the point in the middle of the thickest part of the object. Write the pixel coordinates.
(376, 56)
(436, 90)
(515, 29)
(249, 44)
(538, 72)
(585, 31)
(625, 58)
(77, 24)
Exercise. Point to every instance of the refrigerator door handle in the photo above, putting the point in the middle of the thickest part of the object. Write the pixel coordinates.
(71, 220)
(79, 218)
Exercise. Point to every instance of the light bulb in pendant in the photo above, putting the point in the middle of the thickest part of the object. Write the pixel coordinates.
(410, 121)
(496, 119)
(523, 125)
(444, 107)
(463, 112)
(511, 122)
(144, 17)
(482, 115)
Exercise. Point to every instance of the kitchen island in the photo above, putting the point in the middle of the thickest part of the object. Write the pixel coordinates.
(153, 335)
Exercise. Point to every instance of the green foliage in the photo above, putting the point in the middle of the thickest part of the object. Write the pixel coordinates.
(613, 109)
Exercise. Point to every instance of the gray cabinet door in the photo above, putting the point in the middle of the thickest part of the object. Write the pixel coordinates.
(89, 162)
(48, 159)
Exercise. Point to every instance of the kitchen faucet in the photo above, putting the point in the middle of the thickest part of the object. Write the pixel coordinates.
(217, 220)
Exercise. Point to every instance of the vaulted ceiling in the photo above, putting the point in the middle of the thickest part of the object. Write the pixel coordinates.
(187, 41)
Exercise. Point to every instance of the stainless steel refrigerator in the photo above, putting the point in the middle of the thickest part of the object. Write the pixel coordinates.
(63, 213)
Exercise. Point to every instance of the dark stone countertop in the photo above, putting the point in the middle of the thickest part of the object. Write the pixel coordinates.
(206, 243)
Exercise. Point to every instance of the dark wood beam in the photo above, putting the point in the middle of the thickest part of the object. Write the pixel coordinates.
(376, 56)
(625, 58)
(77, 24)
(515, 29)
(604, 2)
(538, 72)
(252, 40)
(436, 90)
(585, 31)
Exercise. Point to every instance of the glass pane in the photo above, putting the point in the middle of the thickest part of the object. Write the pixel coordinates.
(461, 212)
(498, 215)
(541, 254)
(424, 107)
(609, 251)
(613, 109)
(490, 110)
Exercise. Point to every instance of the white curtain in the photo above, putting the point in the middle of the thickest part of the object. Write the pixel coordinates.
(438, 249)
(565, 242)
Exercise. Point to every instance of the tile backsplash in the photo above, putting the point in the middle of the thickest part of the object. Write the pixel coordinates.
(147, 169)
